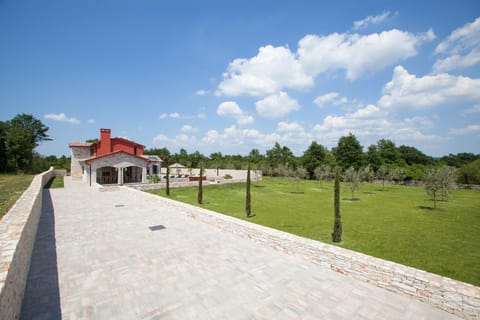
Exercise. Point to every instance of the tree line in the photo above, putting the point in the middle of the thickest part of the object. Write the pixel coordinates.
(384, 160)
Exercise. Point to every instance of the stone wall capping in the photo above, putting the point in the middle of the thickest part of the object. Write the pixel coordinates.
(18, 229)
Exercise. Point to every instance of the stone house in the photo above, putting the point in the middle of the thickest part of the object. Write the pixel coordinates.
(112, 161)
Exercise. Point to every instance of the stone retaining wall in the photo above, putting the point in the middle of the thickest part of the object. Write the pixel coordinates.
(18, 229)
(456, 297)
(180, 184)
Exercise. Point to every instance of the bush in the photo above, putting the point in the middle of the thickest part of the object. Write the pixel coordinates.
(227, 176)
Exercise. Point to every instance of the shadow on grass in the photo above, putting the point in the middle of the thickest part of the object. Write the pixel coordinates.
(369, 193)
(297, 192)
(351, 199)
(426, 208)
(258, 186)
(251, 216)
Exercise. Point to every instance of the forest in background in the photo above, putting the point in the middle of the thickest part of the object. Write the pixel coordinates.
(21, 135)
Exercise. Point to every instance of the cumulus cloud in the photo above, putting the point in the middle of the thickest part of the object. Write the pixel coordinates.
(188, 128)
(202, 92)
(278, 68)
(173, 115)
(330, 98)
(358, 54)
(276, 105)
(406, 90)
(461, 49)
(61, 117)
(471, 129)
(230, 109)
(272, 69)
(372, 123)
(359, 24)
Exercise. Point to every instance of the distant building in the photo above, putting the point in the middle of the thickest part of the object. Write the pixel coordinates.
(112, 161)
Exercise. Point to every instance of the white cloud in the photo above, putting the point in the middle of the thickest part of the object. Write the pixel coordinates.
(330, 98)
(61, 117)
(457, 61)
(359, 24)
(471, 129)
(474, 109)
(276, 105)
(202, 92)
(272, 69)
(91, 121)
(176, 115)
(405, 90)
(230, 109)
(160, 139)
(358, 54)
(461, 49)
(188, 128)
(289, 127)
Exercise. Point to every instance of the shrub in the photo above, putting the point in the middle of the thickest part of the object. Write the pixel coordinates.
(227, 176)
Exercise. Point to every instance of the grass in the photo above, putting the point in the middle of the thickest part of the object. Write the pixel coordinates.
(11, 188)
(55, 182)
(396, 224)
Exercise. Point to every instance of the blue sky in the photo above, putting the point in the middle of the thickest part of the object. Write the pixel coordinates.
(229, 76)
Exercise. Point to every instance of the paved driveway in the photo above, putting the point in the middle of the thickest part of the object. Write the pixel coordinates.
(97, 257)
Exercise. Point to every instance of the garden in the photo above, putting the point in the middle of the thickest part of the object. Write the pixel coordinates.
(395, 222)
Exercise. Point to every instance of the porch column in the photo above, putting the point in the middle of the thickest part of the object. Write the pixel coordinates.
(120, 176)
(144, 174)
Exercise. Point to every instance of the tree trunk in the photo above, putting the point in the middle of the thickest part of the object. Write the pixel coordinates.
(337, 225)
(168, 181)
(200, 187)
(248, 203)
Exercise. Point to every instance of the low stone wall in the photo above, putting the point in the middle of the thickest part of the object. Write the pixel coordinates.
(18, 229)
(174, 183)
(456, 297)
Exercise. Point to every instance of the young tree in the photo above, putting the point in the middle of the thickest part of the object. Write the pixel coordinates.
(352, 178)
(248, 199)
(322, 173)
(167, 189)
(432, 184)
(200, 187)
(367, 173)
(337, 225)
(438, 182)
(298, 174)
(383, 173)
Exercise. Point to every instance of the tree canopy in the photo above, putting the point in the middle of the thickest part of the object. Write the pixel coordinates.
(18, 139)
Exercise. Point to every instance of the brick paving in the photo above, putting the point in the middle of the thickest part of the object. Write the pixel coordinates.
(122, 254)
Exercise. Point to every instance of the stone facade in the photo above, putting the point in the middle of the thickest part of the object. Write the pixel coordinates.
(79, 153)
(18, 229)
(459, 298)
(120, 161)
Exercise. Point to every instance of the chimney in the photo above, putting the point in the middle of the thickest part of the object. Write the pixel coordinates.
(105, 142)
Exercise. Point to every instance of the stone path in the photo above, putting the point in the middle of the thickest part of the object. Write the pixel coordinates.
(96, 257)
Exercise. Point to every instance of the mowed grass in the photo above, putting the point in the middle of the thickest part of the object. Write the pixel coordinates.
(11, 188)
(55, 182)
(396, 224)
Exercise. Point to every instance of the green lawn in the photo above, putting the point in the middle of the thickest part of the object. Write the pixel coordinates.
(11, 188)
(396, 224)
(55, 182)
